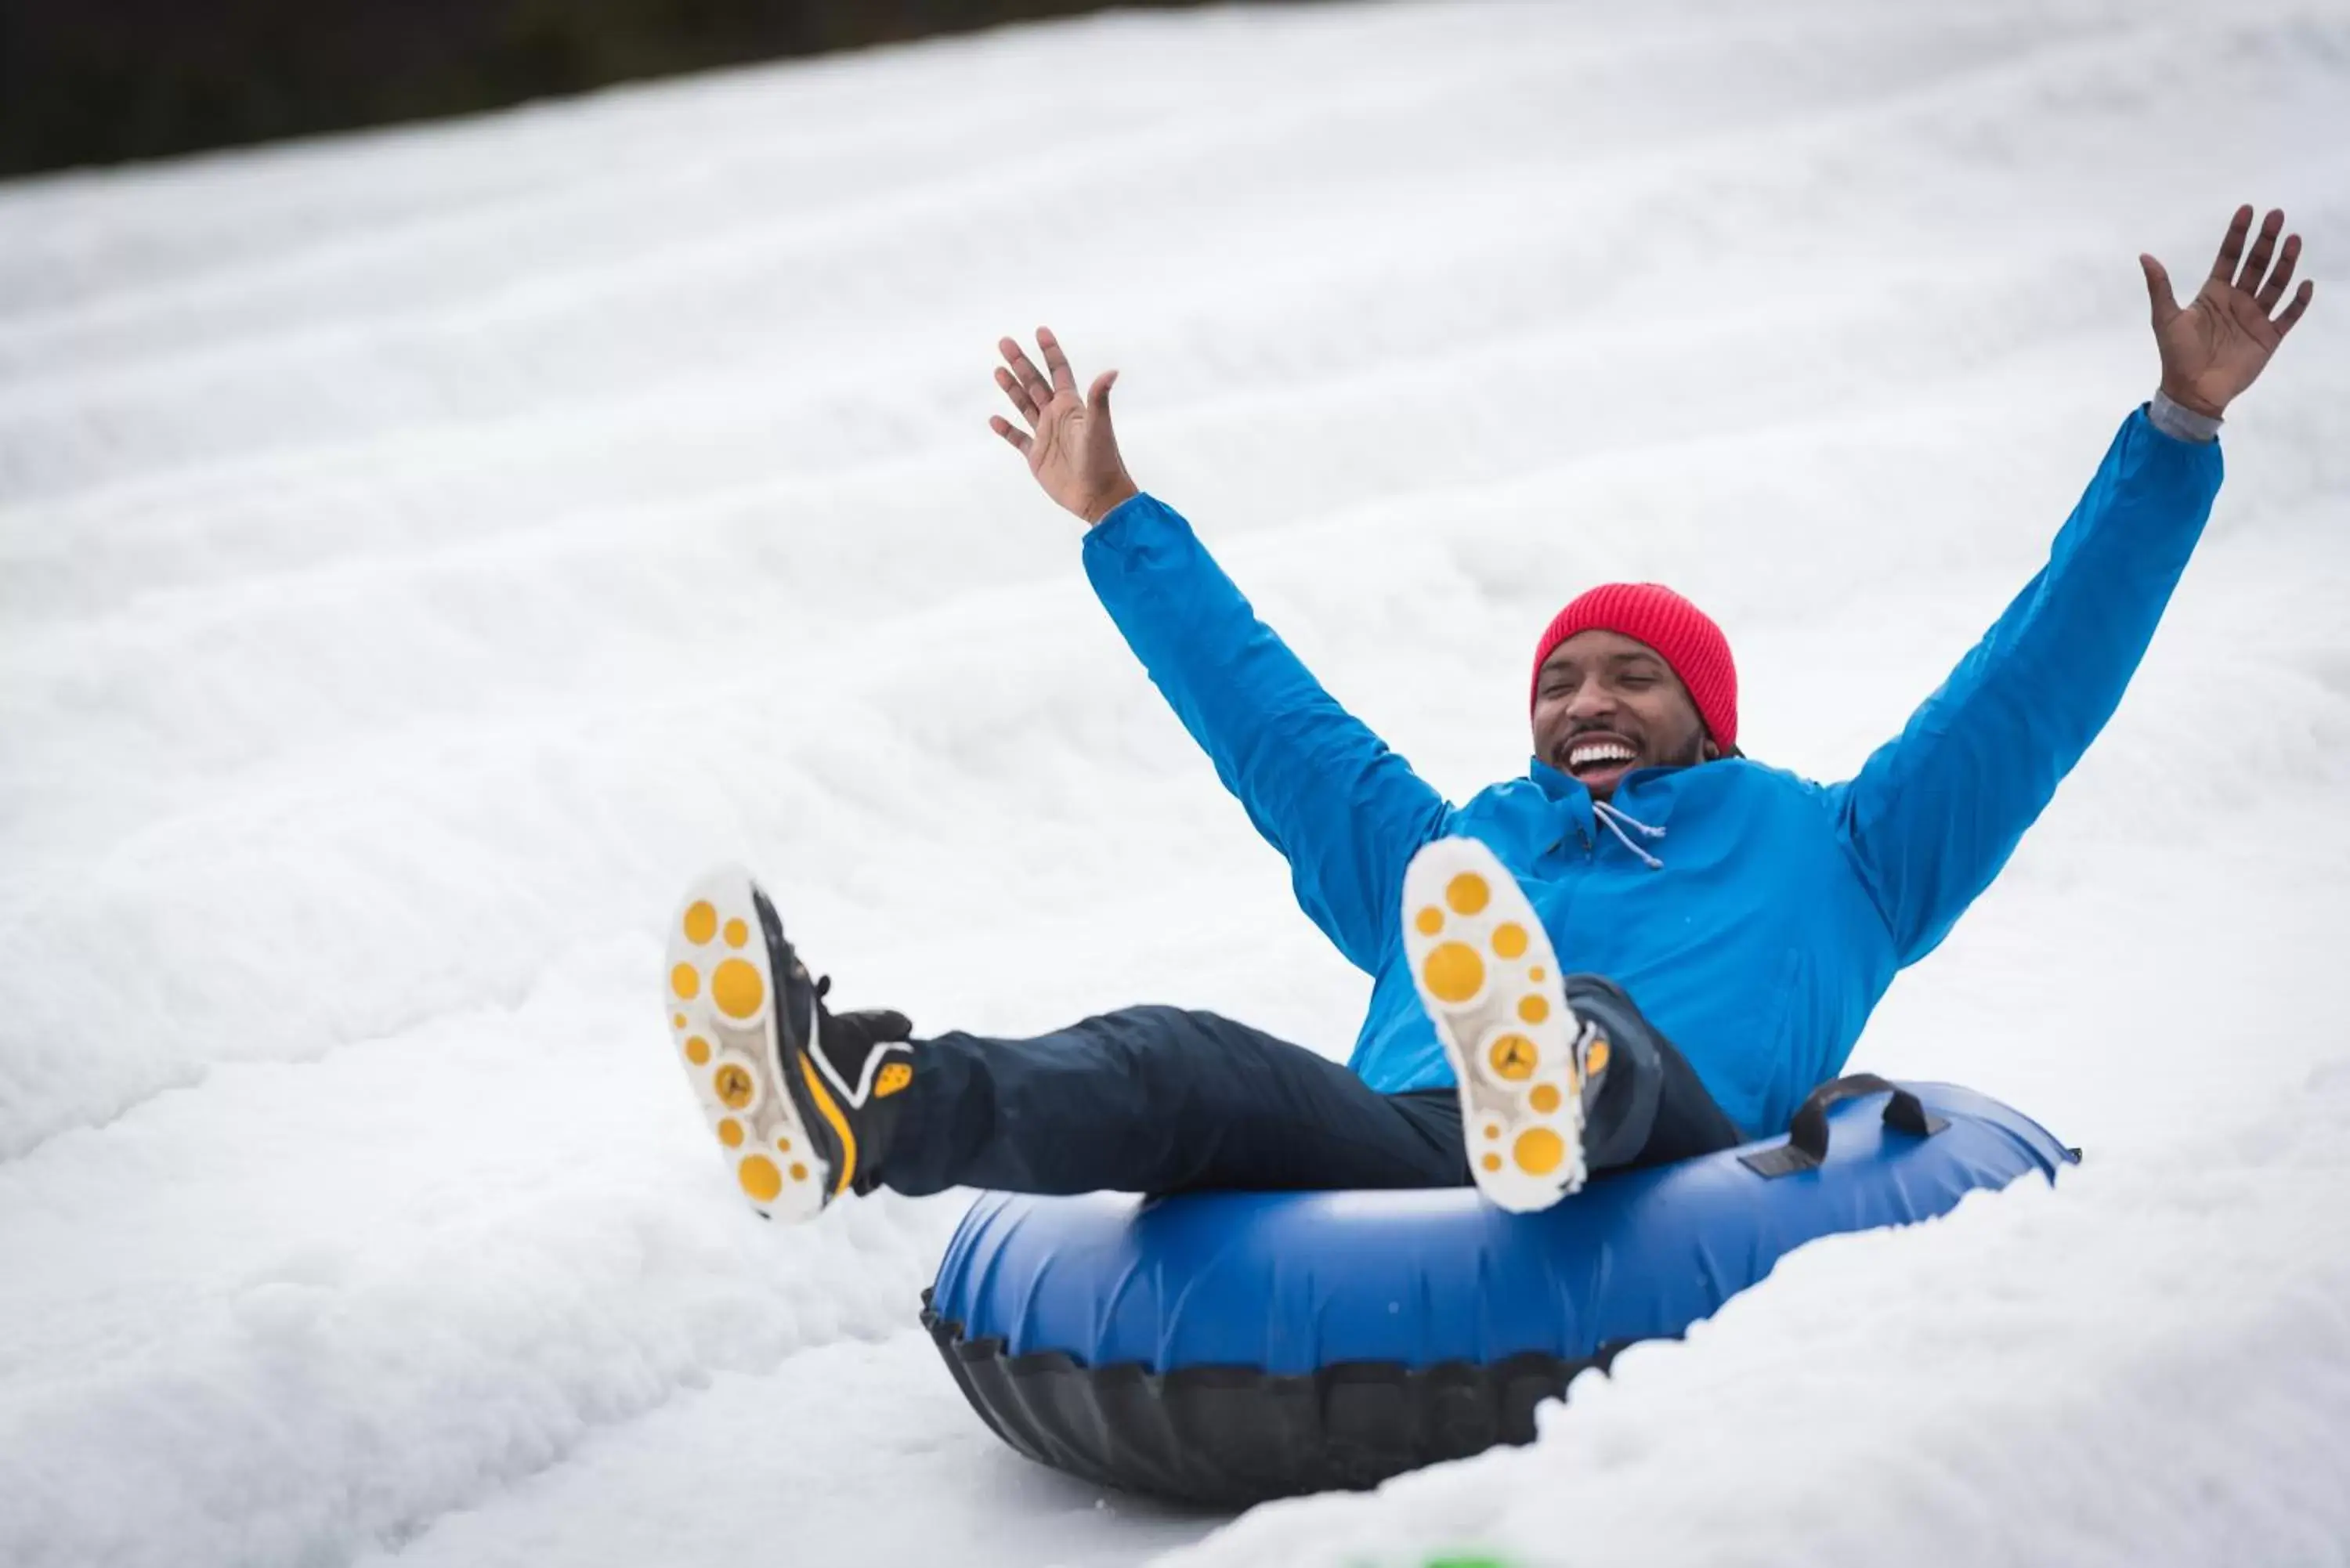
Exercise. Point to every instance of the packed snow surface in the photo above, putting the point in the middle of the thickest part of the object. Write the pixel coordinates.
(421, 553)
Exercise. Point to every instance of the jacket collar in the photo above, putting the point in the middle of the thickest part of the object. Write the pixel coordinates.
(1651, 784)
(1645, 792)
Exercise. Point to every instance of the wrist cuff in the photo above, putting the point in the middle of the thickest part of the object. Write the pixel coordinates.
(2180, 423)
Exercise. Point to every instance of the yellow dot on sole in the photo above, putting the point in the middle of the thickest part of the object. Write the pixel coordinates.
(734, 1087)
(1536, 974)
(1532, 1009)
(760, 1178)
(737, 933)
(677, 1020)
(697, 1050)
(686, 981)
(1492, 1162)
(1544, 1098)
(1595, 1061)
(1539, 1150)
(1453, 972)
(701, 922)
(1429, 920)
(1510, 939)
(1512, 1058)
(799, 1171)
(730, 1133)
(737, 989)
(1467, 893)
(783, 1144)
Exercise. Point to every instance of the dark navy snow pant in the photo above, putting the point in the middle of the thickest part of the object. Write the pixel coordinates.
(1158, 1099)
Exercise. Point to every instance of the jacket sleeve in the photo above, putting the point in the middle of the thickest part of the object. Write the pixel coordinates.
(1935, 814)
(1346, 812)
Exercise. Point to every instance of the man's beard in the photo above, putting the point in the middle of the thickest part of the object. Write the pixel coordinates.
(1691, 755)
(1696, 754)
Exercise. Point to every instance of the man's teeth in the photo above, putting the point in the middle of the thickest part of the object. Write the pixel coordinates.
(1583, 757)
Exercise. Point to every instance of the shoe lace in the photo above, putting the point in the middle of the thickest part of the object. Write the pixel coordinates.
(858, 1029)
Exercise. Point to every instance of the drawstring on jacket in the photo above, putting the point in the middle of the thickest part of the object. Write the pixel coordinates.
(1615, 822)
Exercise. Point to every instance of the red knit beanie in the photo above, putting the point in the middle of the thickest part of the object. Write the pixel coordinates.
(1682, 635)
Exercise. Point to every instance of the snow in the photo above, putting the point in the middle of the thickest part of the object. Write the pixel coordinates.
(421, 553)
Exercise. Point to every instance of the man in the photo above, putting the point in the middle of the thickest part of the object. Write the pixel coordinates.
(1731, 926)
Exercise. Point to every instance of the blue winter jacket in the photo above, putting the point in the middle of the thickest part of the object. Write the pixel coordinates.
(1782, 908)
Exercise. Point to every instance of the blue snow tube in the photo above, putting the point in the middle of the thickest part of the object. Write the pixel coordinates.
(1228, 1347)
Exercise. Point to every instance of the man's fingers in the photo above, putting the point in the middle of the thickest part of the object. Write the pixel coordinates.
(2158, 291)
(1017, 393)
(1030, 377)
(1097, 396)
(2292, 312)
(2274, 290)
(1064, 378)
(1020, 441)
(2256, 265)
(2231, 249)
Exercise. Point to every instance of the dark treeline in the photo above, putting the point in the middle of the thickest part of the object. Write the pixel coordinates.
(98, 81)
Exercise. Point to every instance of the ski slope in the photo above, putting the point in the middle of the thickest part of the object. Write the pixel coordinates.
(420, 552)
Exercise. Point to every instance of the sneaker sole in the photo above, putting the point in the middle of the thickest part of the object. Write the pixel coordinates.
(720, 986)
(1490, 983)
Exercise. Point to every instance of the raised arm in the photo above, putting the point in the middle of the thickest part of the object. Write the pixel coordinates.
(1935, 813)
(1346, 812)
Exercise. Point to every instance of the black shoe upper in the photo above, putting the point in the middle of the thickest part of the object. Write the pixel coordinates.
(847, 1039)
(838, 1047)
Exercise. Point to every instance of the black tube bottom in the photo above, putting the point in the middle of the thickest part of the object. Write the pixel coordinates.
(1230, 1436)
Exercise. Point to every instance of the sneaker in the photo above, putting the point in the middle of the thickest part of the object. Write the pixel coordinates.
(1486, 974)
(792, 1090)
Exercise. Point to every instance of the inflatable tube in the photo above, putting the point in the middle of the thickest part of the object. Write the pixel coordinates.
(1228, 1347)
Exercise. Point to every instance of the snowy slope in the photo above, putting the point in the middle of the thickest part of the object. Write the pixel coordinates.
(419, 553)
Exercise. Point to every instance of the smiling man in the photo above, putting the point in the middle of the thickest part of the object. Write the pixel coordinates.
(1647, 947)
(1631, 676)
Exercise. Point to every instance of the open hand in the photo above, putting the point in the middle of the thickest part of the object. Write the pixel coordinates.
(1072, 452)
(2220, 343)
